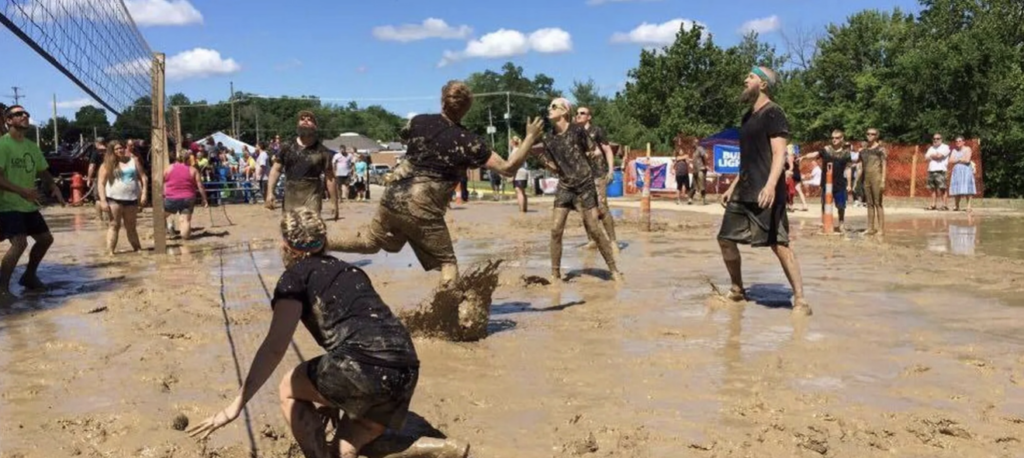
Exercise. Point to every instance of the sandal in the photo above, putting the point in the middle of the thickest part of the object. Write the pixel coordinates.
(932, 208)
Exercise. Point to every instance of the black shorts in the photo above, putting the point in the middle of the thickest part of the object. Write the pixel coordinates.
(749, 224)
(519, 184)
(580, 198)
(179, 206)
(375, 393)
(13, 224)
(683, 182)
(123, 202)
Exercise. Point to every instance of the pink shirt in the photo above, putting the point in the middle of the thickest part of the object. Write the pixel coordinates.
(179, 184)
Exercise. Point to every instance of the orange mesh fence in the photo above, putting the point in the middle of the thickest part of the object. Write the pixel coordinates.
(905, 176)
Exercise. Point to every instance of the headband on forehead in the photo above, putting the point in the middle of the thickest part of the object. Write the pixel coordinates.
(564, 102)
(763, 75)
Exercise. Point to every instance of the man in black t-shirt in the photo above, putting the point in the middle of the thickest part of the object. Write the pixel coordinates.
(602, 162)
(566, 153)
(303, 160)
(438, 152)
(755, 204)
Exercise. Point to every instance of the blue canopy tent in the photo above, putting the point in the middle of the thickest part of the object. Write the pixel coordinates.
(724, 148)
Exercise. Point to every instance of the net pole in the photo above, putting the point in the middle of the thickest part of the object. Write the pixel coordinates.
(158, 155)
(177, 131)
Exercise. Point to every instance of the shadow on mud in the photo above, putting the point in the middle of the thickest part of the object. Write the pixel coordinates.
(64, 281)
(775, 295)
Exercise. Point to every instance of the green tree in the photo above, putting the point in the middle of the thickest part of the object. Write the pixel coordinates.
(528, 98)
(89, 119)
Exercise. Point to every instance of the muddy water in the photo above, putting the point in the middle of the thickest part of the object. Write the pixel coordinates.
(911, 352)
(964, 235)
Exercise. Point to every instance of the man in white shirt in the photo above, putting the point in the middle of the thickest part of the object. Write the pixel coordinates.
(262, 167)
(342, 173)
(938, 164)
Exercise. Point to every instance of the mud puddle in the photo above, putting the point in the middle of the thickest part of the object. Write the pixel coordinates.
(961, 235)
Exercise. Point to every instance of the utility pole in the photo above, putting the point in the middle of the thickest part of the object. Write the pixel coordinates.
(490, 126)
(508, 119)
(56, 144)
(257, 126)
(234, 127)
(17, 97)
(177, 130)
(94, 136)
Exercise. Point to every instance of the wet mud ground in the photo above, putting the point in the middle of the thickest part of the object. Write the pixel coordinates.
(912, 350)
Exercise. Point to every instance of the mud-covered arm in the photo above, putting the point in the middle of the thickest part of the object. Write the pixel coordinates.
(515, 160)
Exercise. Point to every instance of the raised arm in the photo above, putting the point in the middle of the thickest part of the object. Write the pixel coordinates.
(515, 160)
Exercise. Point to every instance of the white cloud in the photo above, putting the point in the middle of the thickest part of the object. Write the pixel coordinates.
(199, 63)
(194, 63)
(605, 2)
(508, 43)
(163, 12)
(430, 28)
(662, 34)
(761, 26)
(76, 103)
(551, 40)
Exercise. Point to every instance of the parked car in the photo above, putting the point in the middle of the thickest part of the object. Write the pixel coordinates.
(380, 174)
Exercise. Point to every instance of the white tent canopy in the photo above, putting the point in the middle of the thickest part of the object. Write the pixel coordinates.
(229, 142)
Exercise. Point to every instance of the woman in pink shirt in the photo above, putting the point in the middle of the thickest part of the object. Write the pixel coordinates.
(181, 183)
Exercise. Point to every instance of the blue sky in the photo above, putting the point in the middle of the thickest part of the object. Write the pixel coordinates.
(407, 49)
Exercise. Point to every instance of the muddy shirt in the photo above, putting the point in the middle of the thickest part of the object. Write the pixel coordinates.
(437, 156)
(568, 152)
(344, 313)
(700, 159)
(598, 162)
(839, 159)
(872, 160)
(303, 163)
(756, 133)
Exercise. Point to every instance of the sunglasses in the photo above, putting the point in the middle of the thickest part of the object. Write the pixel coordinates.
(872, 134)
(937, 139)
(581, 113)
(19, 114)
(555, 106)
(837, 138)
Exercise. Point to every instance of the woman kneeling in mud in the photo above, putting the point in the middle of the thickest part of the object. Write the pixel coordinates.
(370, 367)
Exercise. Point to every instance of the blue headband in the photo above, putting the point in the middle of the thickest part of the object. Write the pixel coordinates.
(761, 74)
(306, 247)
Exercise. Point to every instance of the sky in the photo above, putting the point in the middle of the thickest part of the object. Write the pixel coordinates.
(398, 53)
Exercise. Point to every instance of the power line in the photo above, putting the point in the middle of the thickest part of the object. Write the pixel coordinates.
(17, 97)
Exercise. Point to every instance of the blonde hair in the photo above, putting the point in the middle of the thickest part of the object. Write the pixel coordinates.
(456, 100)
(304, 233)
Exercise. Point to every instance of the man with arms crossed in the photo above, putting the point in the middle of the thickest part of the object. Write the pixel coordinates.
(755, 204)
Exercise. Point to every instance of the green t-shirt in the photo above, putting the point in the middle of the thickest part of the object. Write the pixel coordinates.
(21, 162)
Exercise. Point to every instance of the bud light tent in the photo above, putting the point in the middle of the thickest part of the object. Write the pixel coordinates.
(719, 146)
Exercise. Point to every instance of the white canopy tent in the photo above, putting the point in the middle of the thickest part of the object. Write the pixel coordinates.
(229, 142)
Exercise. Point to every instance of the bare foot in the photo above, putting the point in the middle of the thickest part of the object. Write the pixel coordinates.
(736, 294)
(592, 245)
(801, 307)
(32, 283)
(870, 232)
(618, 277)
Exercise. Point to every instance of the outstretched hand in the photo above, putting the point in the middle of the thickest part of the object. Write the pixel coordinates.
(217, 421)
(535, 127)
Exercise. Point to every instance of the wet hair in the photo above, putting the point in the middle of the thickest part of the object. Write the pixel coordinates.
(456, 100)
(304, 233)
(309, 114)
(184, 155)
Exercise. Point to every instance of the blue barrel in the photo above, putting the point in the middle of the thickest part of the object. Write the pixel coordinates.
(615, 187)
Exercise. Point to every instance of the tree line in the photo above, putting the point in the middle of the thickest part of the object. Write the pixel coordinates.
(957, 68)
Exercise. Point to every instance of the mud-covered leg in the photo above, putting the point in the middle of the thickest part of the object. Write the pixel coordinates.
(360, 243)
(733, 263)
(792, 269)
(604, 245)
(558, 218)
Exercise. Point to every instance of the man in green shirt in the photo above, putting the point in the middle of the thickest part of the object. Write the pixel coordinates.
(21, 162)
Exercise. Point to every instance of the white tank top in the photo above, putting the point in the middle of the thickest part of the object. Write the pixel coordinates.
(127, 186)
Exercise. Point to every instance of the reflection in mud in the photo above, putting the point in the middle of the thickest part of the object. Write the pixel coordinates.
(961, 235)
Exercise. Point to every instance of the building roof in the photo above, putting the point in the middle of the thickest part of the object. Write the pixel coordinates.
(352, 140)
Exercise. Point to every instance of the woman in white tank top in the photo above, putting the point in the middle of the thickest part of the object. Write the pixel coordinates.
(122, 190)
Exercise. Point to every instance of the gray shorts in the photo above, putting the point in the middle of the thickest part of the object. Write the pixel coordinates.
(749, 224)
(937, 180)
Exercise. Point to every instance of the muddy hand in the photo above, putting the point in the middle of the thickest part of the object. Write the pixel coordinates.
(208, 426)
(535, 127)
(270, 203)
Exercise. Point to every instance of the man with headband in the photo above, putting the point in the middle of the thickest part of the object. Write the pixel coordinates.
(755, 204)
(303, 161)
(414, 203)
(565, 153)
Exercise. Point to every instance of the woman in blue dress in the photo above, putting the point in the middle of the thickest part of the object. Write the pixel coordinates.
(962, 178)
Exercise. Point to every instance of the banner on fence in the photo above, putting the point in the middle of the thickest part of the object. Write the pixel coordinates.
(659, 172)
(727, 159)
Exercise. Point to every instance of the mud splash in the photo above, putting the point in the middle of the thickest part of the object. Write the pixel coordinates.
(460, 310)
